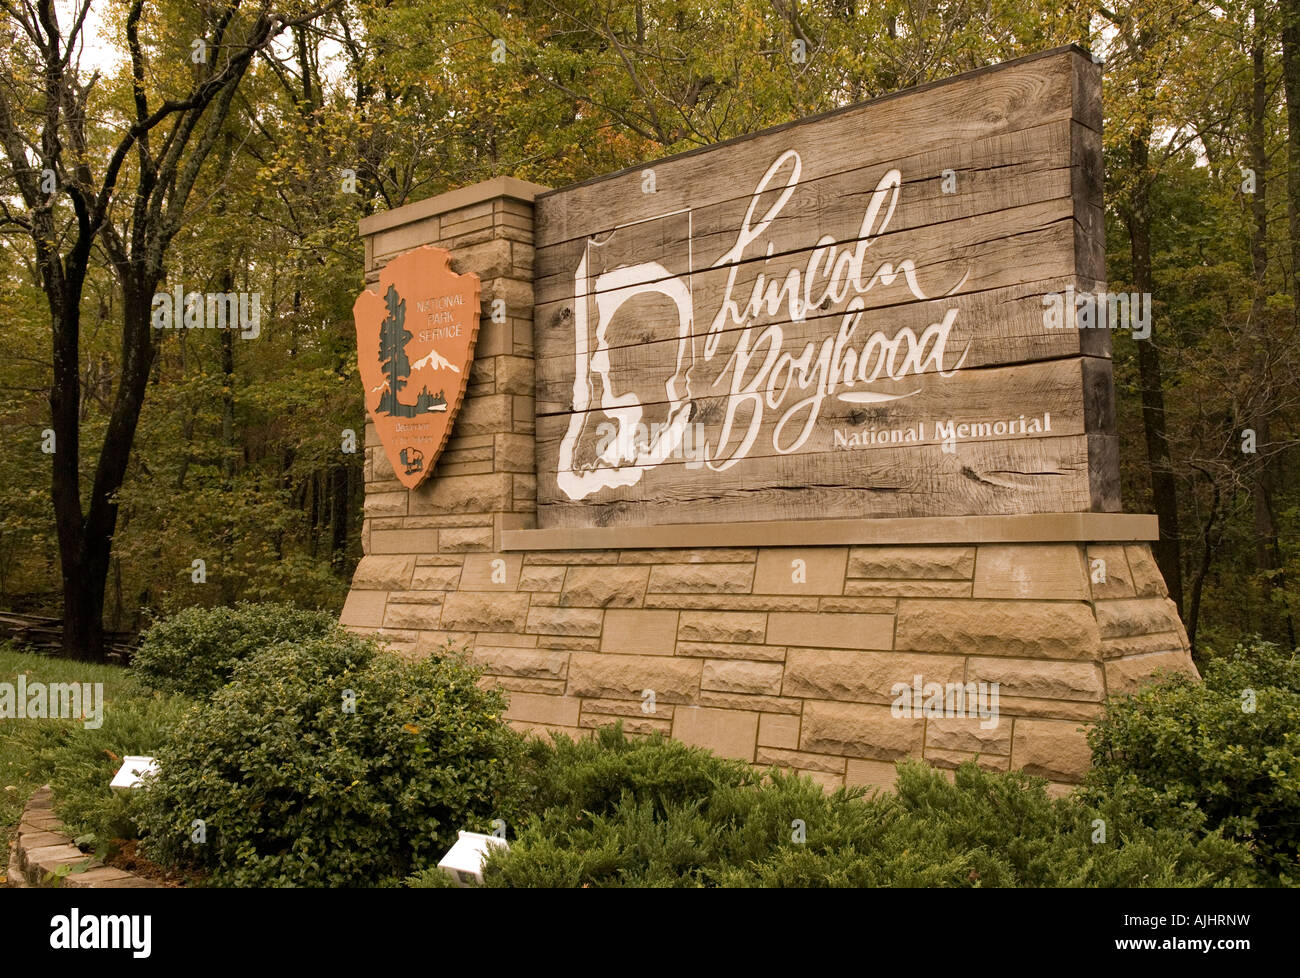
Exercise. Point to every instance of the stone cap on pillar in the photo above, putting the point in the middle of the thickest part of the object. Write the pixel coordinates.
(911, 531)
(475, 193)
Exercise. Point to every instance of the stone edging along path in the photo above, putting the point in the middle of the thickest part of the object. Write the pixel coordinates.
(41, 851)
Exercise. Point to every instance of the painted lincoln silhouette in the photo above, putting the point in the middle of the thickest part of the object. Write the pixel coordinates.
(601, 397)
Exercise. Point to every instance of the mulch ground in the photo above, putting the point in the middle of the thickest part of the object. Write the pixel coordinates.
(125, 855)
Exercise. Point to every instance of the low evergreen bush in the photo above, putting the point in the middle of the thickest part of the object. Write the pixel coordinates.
(614, 812)
(82, 762)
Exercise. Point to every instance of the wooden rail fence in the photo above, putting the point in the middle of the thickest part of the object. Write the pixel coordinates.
(42, 634)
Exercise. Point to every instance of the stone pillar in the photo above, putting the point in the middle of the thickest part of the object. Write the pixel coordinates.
(421, 545)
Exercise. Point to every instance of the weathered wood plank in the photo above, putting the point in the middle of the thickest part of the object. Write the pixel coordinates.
(1086, 86)
(1039, 475)
(1087, 187)
(997, 326)
(1023, 167)
(1032, 400)
(967, 109)
(687, 244)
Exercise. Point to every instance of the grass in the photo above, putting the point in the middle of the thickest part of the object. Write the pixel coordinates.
(23, 768)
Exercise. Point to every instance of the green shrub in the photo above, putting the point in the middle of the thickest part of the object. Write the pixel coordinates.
(655, 813)
(195, 650)
(1197, 755)
(294, 790)
(431, 878)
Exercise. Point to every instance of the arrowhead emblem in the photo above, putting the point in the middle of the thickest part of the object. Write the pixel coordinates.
(415, 342)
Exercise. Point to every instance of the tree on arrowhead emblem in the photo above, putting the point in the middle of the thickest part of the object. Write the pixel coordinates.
(393, 337)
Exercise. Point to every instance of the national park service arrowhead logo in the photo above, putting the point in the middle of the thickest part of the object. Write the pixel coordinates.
(415, 341)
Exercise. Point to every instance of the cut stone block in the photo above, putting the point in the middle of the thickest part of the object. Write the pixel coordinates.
(815, 570)
(1051, 571)
(648, 632)
(730, 733)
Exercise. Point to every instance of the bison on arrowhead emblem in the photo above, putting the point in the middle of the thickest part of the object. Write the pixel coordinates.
(415, 341)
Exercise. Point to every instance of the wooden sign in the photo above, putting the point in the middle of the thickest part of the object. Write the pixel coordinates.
(415, 341)
(842, 317)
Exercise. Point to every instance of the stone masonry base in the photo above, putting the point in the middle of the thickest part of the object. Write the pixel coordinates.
(786, 656)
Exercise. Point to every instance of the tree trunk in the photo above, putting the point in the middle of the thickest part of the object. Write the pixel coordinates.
(1164, 487)
(1208, 545)
(228, 394)
(86, 548)
(83, 629)
(1268, 554)
(339, 516)
(1258, 421)
(311, 489)
(1291, 83)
